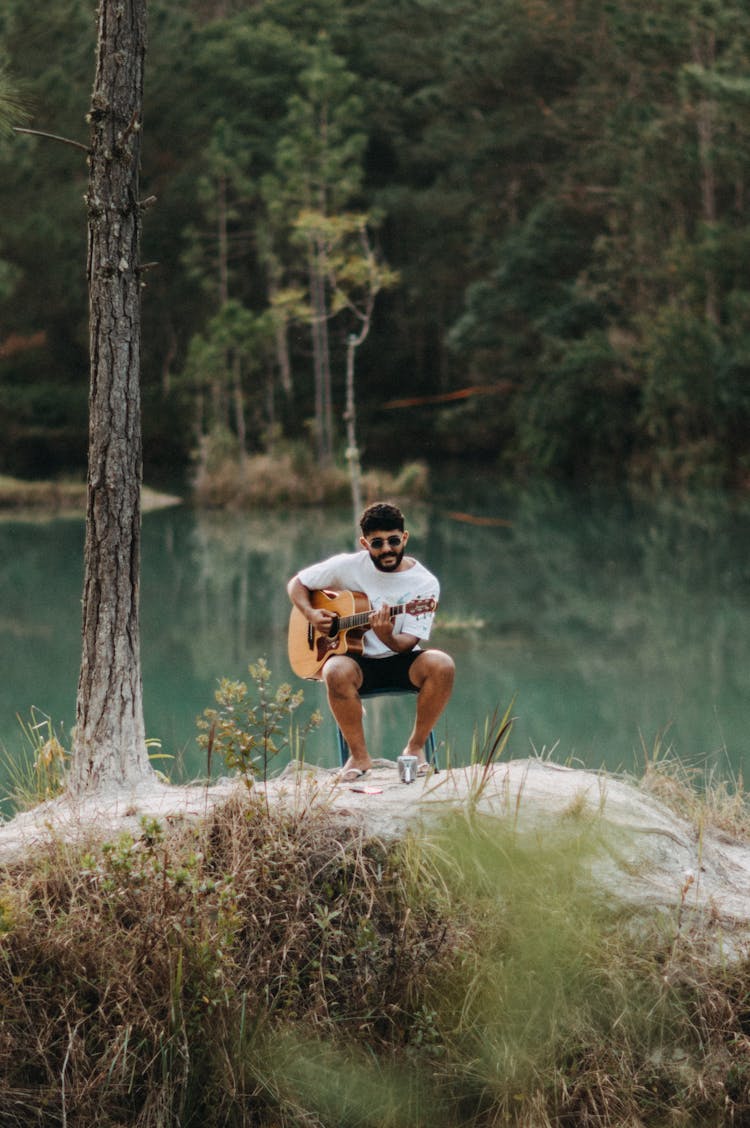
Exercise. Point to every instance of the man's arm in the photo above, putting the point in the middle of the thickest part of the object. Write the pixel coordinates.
(382, 624)
(320, 617)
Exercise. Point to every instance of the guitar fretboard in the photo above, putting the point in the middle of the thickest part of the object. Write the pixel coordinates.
(362, 618)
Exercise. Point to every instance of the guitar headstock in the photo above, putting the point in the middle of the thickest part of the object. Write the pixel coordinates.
(421, 606)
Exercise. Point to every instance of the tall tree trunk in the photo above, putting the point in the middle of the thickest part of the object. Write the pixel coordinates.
(219, 392)
(239, 407)
(270, 260)
(327, 395)
(350, 418)
(109, 747)
(280, 334)
(704, 54)
(318, 320)
(223, 238)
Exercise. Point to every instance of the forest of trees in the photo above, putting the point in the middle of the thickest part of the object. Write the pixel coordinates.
(542, 205)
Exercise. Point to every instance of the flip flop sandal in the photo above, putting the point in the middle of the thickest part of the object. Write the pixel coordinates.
(351, 775)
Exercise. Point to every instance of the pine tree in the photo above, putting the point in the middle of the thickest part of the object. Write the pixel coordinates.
(109, 746)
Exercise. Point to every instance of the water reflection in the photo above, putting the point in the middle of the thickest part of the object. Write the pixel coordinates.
(612, 618)
(605, 616)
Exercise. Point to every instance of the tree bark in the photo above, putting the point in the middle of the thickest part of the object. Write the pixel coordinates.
(109, 746)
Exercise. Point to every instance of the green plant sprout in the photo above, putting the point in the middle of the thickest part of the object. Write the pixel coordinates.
(248, 731)
(40, 772)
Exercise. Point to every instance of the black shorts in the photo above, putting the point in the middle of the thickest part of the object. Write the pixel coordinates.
(386, 673)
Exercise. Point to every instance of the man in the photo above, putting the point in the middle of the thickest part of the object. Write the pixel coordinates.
(392, 656)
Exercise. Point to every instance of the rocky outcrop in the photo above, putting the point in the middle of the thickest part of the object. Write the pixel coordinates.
(645, 855)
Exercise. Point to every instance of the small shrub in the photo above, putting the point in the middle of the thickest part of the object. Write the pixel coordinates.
(248, 735)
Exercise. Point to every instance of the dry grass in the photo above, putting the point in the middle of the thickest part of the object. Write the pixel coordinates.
(148, 981)
(279, 970)
(39, 500)
(290, 477)
(56, 496)
(698, 794)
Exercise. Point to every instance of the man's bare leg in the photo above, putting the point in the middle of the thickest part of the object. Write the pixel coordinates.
(343, 677)
(432, 673)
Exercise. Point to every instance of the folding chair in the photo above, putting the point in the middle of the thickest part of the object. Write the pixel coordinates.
(430, 748)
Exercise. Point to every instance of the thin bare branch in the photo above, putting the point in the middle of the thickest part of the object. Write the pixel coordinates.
(51, 137)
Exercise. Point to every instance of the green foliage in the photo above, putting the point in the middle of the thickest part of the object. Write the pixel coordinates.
(9, 276)
(39, 772)
(577, 417)
(12, 111)
(679, 401)
(319, 154)
(681, 411)
(248, 732)
(354, 275)
(551, 974)
(549, 177)
(228, 360)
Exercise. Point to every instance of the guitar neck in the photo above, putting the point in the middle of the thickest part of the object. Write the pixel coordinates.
(362, 618)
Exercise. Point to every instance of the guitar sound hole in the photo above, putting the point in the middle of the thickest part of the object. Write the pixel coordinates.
(334, 627)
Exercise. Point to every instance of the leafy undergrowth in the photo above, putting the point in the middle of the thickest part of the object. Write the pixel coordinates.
(279, 970)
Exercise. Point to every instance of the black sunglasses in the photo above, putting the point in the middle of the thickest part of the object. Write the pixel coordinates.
(378, 542)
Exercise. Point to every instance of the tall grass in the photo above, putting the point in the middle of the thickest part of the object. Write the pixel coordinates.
(38, 770)
(704, 795)
(279, 969)
(288, 475)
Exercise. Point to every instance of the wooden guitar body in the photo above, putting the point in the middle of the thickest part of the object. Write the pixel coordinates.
(309, 648)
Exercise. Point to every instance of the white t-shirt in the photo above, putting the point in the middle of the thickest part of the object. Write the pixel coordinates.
(355, 571)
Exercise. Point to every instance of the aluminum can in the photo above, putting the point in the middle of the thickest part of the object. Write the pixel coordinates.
(407, 768)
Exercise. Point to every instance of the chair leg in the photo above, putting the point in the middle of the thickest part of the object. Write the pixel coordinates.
(430, 748)
(343, 747)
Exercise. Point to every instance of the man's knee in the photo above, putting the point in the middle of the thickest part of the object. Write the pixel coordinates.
(445, 667)
(342, 676)
(436, 667)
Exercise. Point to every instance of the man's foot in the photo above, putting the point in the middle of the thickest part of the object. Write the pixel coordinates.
(350, 773)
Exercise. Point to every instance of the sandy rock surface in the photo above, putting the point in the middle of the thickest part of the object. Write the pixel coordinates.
(650, 856)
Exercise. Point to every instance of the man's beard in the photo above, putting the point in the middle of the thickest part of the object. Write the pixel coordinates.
(397, 558)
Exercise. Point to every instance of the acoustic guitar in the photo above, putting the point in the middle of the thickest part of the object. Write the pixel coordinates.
(309, 648)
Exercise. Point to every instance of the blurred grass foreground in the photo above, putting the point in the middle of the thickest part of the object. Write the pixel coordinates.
(282, 968)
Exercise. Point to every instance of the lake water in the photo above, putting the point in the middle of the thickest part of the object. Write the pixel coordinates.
(605, 619)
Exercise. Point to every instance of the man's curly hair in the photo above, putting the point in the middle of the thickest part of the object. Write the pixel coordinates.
(381, 515)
